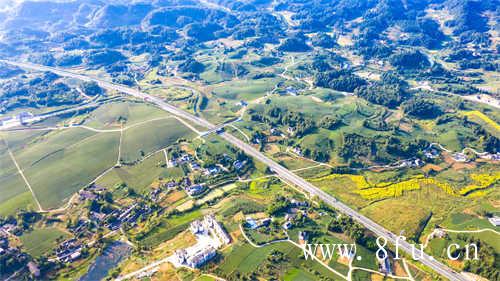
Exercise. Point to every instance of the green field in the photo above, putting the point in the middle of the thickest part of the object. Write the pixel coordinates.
(130, 113)
(63, 162)
(245, 89)
(168, 228)
(12, 182)
(139, 141)
(141, 175)
(42, 241)
(246, 259)
(22, 201)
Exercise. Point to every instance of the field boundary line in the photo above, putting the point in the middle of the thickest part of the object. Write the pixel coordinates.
(472, 231)
(20, 171)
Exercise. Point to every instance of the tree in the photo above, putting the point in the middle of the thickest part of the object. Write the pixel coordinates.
(388, 95)
(108, 197)
(279, 205)
(91, 88)
(294, 44)
(330, 122)
(192, 65)
(422, 108)
(410, 60)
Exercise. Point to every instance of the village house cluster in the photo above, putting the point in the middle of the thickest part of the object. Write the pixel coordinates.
(69, 250)
(212, 170)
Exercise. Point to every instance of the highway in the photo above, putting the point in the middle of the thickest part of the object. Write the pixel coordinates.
(280, 171)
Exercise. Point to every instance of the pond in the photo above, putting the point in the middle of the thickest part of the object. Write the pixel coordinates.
(109, 259)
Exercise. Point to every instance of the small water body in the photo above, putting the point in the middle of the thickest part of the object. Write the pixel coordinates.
(109, 259)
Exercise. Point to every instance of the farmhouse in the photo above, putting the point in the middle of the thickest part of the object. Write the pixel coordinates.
(489, 156)
(239, 164)
(213, 170)
(303, 235)
(196, 189)
(96, 188)
(431, 153)
(69, 250)
(33, 268)
(297, 151)
(155, 194)
(241, 103)
(194, 166)
(459, 157)
(87, 195)
(171, 185)
(287, 225)
(184, 158)
(385, 266)
(495, 220)
(412, 163)
(296, 203)
(291, 91)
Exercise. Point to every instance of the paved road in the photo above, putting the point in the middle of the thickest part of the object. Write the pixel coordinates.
(281, 171)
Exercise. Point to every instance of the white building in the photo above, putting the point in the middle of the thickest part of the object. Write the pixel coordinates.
(495, 220)
(210, 236)
(219, 232)
(459, 157)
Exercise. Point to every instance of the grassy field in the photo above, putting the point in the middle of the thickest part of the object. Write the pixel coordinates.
(427, 202)
(141, 140)
(140, 176)
(169, 228)
(12, 182)
(22, 201)
(62, 162)
(245, 89)
(42, 241)
(394, 214)
(171, 93)
(245, 259)
(107, 115)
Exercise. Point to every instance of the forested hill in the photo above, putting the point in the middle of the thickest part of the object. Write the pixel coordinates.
(378, 26)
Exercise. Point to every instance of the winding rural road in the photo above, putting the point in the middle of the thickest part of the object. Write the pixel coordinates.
(281, 171)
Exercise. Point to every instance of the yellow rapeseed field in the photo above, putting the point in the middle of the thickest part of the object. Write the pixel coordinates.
(483, 117)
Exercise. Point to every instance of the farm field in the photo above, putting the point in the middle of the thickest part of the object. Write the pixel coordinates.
(111, 115)
(13, 185)
(62, 162)
(41, 241)
(244, 90)
(168, 228)
(140, 141)
(120, 126)
(141, 175)
(245, 259)
(430, 204)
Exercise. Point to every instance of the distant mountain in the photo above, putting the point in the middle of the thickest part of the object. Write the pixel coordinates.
(110, 16)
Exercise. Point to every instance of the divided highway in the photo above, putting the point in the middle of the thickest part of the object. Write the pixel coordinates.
(281, 171)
